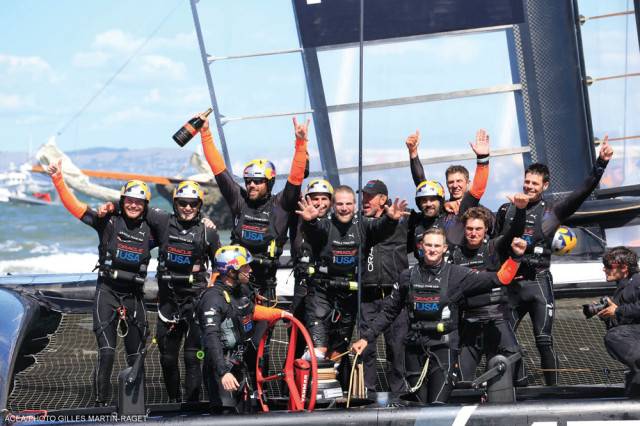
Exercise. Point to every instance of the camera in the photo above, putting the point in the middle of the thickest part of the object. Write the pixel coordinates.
(592, 309)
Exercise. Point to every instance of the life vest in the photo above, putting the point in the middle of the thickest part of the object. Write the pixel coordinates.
(255, 230)
(538, 253)
(339, 256)
(185, 251)
(427, 295)
(124, 253)
(237, 327)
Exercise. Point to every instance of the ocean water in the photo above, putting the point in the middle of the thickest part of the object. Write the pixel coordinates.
(47, 239)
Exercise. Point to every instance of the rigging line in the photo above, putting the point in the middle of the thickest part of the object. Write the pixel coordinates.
(622, 138)
(609, 15)
(118, 71)
(612, 77)
(359, 206)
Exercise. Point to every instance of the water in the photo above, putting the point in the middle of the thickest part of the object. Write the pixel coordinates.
(47, 239)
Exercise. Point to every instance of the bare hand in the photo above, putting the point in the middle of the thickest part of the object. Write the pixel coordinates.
(205, 126)
(307, 211)
(520, 200)
(208, 223)
(481, 145)
(359, 346)
(106, 208)
(452, 206)
(397, 209)
(301, 130)
(518, 246)
(229, 382)
(606, 151)
(55, 169)
(609, 311)
(412, 142)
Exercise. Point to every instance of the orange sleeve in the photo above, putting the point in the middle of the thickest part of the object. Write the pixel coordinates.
(262, 313)
(299, 163)
(69, 201)
(211, 153)
(480, 179)
(508, 271)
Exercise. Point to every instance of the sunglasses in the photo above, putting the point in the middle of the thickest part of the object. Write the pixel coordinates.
(256, 181)
(184, 203)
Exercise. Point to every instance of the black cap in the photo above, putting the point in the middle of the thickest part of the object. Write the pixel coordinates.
(375, 187)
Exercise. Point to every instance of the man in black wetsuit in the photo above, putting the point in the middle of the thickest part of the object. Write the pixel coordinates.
(226, 314)
(484, 327)
(182, 276)
(384, 263)
(332, 299)
(461, 196)
(431, 292)
(126, 238)
(260, 218)
(532, 291)
(622, 314)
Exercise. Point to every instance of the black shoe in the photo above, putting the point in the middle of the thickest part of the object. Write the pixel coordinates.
(100, 404)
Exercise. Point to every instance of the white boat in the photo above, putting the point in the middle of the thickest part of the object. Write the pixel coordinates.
(18, 185)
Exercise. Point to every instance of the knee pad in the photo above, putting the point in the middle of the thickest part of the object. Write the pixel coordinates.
(543, 341)
(319, 333)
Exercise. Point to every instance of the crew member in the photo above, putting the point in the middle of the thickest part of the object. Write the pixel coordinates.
(384, 263)
(126, 236)
(260, 218)
(226, 314)
(182, 276)
(431, 292)
(332, 300)
(532, 291)
(457, 176)
(484, 328)
(622, 314)
(430, 197)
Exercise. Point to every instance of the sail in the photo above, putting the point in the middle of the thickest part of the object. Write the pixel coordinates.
(73, 176)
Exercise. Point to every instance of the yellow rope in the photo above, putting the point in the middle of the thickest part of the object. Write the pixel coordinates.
(422, 376)
(353, 369)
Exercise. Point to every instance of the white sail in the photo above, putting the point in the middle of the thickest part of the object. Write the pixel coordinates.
(50, 153)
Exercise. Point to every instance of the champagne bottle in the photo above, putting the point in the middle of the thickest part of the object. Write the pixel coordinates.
(189, 130)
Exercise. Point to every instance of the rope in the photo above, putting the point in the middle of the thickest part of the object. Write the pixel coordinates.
(422, 377)
(337, 357)
(612, 77)
(623, 138)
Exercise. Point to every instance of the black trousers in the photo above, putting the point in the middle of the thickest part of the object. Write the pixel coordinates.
(331, 316)
(170, 337)
(225, 402)
(437, 385)
(536, 298)
(105, 326)
(486, 337)
(394, 338)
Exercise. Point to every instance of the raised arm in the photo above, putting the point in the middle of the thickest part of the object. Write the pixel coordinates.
(417, 171)
(229, 188)
(515, 228)
(69, 201)
(568, 206)
(299, 164)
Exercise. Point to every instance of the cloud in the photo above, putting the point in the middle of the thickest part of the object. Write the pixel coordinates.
(130, 114)
(163, 65)
(13, 102)
(92, 59)
(153, 96)
(117, 40)
(34, 66)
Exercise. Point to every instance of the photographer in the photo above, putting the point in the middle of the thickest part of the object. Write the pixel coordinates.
(622, 313)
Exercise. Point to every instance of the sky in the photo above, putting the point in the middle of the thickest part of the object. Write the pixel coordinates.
(57, 56)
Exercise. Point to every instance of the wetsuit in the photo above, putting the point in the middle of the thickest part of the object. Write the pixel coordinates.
(123, 258)
(485, 316)
(623, 330)
(453, 228)
(384, 263)
(261, 225)
(332, 304)
(182, 275)
(431, 295)
(532, 291)
(226, 317)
